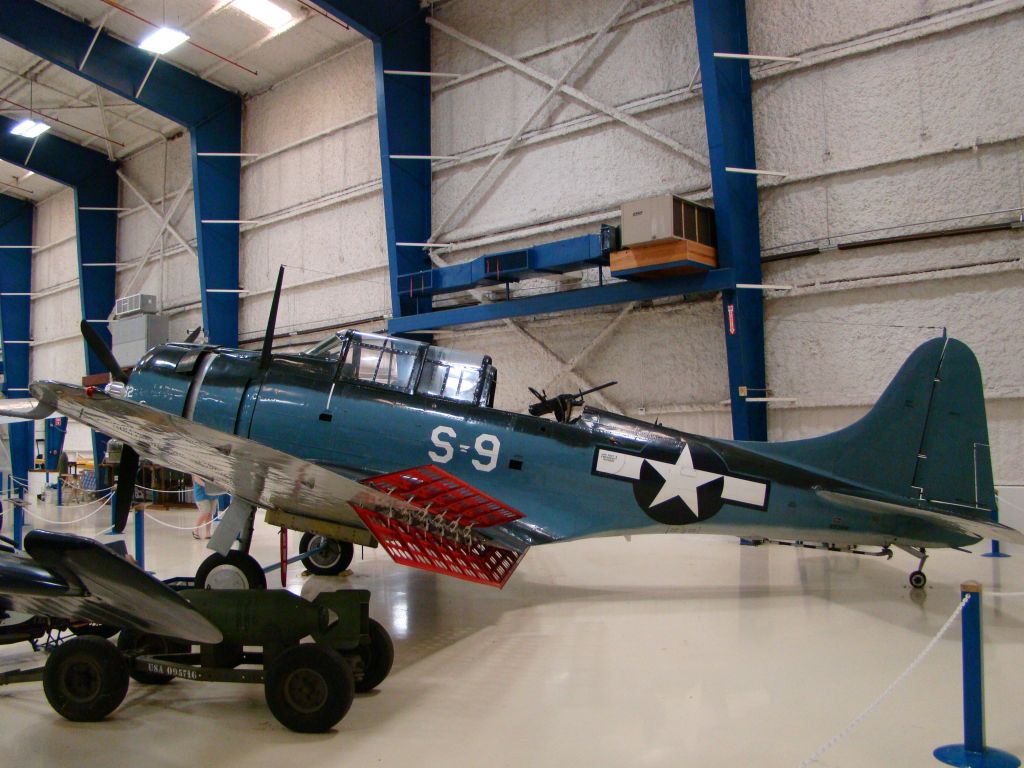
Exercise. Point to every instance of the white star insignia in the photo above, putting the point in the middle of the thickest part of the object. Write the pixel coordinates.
(681, 481)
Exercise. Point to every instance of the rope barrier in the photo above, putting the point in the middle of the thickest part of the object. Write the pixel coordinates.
(85, 504)
(1005, 594)
(35, 515)
(158, 521)
(814, 758)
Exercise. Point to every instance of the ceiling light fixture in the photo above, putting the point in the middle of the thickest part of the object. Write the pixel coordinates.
(163, 40)
(30, 129)
(265, 12)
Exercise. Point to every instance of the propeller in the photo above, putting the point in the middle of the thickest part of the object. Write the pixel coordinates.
(129, 464)
(190, 339)
(102, 351)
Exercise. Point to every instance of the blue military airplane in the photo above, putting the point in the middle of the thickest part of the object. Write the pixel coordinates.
(369, 439)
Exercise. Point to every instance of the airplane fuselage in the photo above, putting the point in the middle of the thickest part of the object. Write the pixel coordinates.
(597, 476)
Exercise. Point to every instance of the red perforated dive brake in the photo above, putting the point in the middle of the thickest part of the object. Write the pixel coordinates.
(440, 539)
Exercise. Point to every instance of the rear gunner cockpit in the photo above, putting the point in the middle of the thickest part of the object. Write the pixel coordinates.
(413, 367)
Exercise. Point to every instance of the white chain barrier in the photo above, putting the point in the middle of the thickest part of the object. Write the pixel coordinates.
(1005, 594)
(888, 691)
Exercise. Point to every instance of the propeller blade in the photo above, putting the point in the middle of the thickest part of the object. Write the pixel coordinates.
(190, 339)
(268, 340)
(102, 351)
(126, 472)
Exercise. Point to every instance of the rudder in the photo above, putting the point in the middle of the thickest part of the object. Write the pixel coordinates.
(926, 437)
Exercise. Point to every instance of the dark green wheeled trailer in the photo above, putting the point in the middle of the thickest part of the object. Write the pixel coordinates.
(309, 686)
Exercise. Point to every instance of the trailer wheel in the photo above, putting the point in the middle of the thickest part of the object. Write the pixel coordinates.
(148, 644)
(334, 557)
(236, 570)
(309, 688)
(377, 658)
(85, 679)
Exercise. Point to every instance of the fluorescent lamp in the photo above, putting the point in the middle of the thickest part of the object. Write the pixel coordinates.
(30, 129)
(163, 40)
(265, 12)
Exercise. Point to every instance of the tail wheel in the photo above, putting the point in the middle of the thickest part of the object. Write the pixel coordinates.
(309, 688)
(236, 570)
(333, 558)
(377, 657)
(146, 644)
(85, 679)
(918, 579)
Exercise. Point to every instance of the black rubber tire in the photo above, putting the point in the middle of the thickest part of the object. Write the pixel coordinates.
(148, 644)
(85, 679)
(309, 688)
(237, 570)
(917, 579)
(330, 561)
(377, 658)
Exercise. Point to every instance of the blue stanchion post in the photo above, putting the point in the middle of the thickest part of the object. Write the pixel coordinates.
(973, 753)
(60, 492)
(140, 538)
(18, 520)
(113, 510)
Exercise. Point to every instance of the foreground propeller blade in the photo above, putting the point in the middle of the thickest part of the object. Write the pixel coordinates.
(190, 339)
(268, 340)
(102, 351)
(126, 472)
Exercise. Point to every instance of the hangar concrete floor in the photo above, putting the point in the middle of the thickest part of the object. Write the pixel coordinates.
(665, 650)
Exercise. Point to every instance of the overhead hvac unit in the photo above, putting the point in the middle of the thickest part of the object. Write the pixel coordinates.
(139, 304)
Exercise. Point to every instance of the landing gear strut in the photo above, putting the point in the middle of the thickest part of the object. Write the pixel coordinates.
(229, 568)
(917, 579)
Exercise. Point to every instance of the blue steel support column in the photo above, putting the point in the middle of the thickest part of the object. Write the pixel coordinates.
(216, 192)
(16, 277)
(401, 41)
(728, 113)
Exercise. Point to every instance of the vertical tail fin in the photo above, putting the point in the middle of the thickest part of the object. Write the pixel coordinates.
(925, 438)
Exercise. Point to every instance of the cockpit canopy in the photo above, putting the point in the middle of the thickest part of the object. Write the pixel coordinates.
(413, 367)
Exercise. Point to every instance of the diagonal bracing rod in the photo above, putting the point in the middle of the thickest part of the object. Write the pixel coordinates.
(573, 93)
(479, 184)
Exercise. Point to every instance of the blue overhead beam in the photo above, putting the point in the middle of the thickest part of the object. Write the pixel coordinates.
(728, 113)
(711, 281)
(212, 114)
(401, 41)
(16, 278)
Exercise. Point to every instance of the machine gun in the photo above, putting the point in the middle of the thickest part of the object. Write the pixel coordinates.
(561, 405)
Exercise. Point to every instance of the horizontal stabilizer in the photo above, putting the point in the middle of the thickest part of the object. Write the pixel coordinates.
(966, 524)
(443, 534)
(72, 577)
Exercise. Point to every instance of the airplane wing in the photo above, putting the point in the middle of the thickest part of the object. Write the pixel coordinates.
(424, 517)
(22, 408)
(71, 577)
(246, 469)
(967, 525)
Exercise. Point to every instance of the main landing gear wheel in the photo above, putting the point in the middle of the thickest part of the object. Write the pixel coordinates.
(236, 570)
(333, 558)
(918, 579)
(309, 688)
(376, 657)
(147, 644)
(85, 679)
